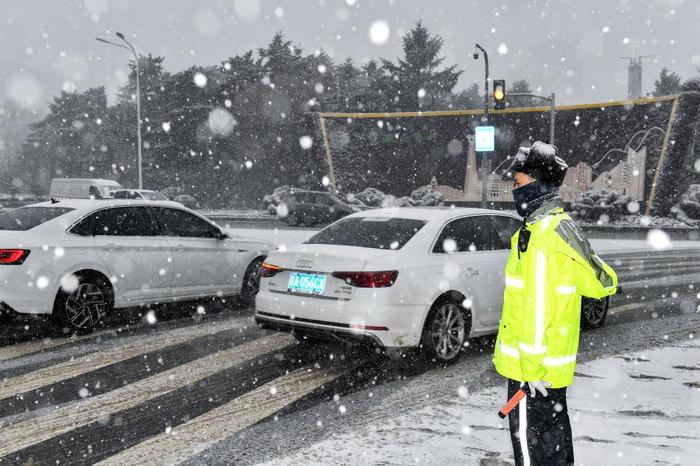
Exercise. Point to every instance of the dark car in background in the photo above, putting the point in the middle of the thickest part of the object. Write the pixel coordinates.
(314, 207)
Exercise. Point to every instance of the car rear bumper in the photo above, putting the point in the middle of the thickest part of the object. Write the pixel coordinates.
(380, 324)
(28, 291)
(317, 329)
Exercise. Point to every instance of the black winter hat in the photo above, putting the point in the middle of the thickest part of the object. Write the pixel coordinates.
(541, 162)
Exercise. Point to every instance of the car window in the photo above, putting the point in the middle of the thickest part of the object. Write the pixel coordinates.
(321, 199)
(467, 234)
(119, 221)
(505, 228)
(306, 198)
(369, 232)
(176, 222)
(26, 218)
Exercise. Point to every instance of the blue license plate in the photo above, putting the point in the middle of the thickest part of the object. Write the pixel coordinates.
(307, 283)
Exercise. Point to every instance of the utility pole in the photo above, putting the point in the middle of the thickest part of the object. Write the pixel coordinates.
(552, 109)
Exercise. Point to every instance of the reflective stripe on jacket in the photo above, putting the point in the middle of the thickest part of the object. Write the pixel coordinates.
(539, 329)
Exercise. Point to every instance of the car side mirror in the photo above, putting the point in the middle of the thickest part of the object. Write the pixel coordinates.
(222, 235)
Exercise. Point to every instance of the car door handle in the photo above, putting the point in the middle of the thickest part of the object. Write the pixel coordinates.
(470, 272)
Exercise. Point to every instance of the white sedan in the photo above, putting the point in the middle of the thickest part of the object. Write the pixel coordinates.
(79, 259)
(395, 278)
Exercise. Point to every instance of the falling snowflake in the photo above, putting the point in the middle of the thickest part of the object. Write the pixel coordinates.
(659, 240)
(200, 80)
(306, 142)
(379, 32)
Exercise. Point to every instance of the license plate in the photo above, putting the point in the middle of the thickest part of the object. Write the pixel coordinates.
(307, 283)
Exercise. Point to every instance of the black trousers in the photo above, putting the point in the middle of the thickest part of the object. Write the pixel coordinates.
(540, 429)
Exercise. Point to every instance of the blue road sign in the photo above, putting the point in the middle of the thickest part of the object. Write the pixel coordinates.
(485, 137)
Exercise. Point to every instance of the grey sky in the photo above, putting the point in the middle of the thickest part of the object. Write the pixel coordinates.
(570, 47)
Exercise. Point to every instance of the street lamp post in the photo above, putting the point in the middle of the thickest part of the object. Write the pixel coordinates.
(131, 48)
(485, 159)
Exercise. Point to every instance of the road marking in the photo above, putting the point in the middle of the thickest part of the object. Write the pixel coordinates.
(15, 437)
(32, 380)
(626, 308)
(9, 352)
(219, 423)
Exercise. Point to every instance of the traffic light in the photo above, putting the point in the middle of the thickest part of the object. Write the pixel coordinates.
(499, 94)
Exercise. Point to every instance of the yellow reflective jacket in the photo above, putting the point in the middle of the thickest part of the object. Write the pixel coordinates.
(540, 323)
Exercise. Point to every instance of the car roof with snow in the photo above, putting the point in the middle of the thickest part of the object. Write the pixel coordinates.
(427, 213)
(91, 204)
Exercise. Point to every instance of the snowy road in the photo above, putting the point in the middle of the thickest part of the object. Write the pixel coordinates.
(214, 389)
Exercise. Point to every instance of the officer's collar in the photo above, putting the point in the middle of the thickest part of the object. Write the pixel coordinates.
(551, 207)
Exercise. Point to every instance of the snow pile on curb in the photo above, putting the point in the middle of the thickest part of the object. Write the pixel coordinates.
(641, 408)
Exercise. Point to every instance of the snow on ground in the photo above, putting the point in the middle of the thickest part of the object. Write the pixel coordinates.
(634, 409)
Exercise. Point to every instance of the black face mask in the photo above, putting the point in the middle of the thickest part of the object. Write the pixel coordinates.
(526, 197)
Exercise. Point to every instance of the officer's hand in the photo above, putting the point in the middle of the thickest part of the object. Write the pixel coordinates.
(539, 386)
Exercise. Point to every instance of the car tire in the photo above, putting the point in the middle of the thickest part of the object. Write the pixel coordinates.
(251, 282)
(445, 331)
(82, 309)
(594, 312)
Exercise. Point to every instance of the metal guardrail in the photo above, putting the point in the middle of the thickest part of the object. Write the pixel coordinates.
(639, 232)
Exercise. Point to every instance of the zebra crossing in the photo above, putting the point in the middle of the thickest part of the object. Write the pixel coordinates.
(175, 393)
(162, 395)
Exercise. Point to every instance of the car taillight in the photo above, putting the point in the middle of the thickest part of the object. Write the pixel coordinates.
(368, 279)
(13, 256)
(269, 270)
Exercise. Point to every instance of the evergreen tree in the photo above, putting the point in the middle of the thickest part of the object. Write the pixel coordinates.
(669, 82)
(71, 141)
(521, 86)
(468, 98)
(415, 81)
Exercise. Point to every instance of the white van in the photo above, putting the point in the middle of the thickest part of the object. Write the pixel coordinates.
(82, 188)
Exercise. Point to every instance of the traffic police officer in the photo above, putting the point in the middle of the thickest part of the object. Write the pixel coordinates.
(550, 267)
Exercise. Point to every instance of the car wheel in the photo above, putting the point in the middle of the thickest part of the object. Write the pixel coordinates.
(82, 309)
(251, 282)
(445, 331)
(292, 219)
(594, 312)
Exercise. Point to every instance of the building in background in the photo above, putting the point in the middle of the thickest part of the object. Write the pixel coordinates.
(627, 177)
(634, 76)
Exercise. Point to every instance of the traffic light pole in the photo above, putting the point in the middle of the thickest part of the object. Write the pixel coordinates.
(485, 159)
(552, 110)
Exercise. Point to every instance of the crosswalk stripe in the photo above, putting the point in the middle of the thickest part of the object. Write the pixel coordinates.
(15, 437)
(90, 362)
(20, 349)
(226, 420)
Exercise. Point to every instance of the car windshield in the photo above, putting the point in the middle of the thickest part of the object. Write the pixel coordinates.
(369, 232)
(26, 218)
